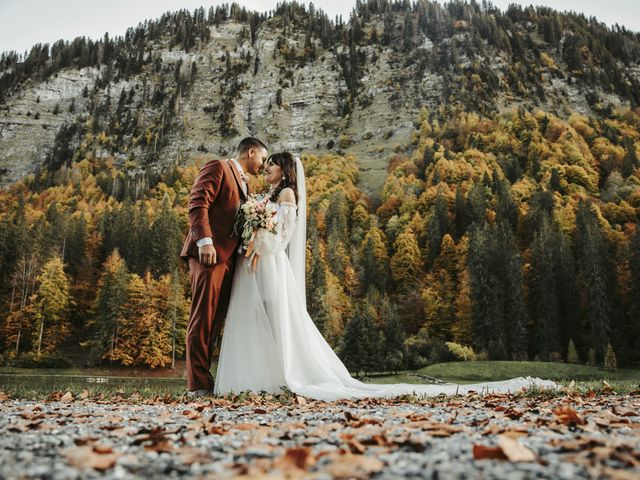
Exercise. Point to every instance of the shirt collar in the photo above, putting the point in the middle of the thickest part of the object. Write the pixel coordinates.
(238, 166)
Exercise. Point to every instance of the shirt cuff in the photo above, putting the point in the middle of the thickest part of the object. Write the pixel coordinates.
(204, 241)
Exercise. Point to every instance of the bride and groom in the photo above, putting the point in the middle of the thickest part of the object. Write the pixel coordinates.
(269, 340)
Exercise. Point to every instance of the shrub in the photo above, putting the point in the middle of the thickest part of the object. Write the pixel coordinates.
(461, 351)
(33, 360)
(610, 362)
(572, 353)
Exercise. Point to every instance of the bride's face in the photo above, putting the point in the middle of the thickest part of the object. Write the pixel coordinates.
(273, 173)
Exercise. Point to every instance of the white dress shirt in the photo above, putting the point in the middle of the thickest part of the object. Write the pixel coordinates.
(208, 240)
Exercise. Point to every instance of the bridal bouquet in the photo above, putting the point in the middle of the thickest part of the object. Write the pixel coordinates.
(256, 213)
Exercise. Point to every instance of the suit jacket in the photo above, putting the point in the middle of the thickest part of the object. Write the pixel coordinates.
(213, 202)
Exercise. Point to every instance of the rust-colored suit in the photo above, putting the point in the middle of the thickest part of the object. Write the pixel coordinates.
(213, 202)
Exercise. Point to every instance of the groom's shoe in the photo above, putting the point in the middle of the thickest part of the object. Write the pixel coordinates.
(199, 393)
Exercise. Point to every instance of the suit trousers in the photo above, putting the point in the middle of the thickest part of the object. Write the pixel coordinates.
(210, 294)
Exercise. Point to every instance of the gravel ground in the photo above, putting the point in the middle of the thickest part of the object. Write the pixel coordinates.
(472, 437)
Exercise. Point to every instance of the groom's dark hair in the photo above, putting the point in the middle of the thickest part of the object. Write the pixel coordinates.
(250, 142)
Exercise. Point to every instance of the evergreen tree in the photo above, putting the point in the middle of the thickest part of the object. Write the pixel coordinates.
(393, 338)
(437, 227)
(359, 343)
(594, 278)
(166, 235)
(543, 291)
(110, 308)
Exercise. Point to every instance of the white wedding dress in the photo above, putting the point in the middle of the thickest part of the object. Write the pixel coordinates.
(270, 341)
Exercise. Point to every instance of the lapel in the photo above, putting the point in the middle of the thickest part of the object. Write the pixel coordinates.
(236, 174)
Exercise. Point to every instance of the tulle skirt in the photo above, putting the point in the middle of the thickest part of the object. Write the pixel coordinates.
(270, 341)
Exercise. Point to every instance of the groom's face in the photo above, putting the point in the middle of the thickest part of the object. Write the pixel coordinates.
(256, 157)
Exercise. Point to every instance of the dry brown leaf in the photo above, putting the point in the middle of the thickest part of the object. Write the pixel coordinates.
(84, 395)
(190, 455)
(299, 458)
(514, 451)
(484, 452)
(87, 457)
(4, 396)
(353, 443)
(246, 426)
(301, 400)
(568, 415)
(67, 397)
(348, 466)
(160, 446)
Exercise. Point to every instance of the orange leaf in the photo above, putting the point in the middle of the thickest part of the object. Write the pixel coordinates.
(295, 458)
(482, 452)
(568, 415)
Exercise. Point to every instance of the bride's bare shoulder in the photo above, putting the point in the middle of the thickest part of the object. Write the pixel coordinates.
(287, 196)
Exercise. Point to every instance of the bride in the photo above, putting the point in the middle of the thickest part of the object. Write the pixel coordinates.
(270, 341)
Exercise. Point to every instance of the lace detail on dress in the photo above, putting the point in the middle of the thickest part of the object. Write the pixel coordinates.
(267, 242)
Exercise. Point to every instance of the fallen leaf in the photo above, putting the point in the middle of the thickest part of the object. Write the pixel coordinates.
(301, 400)
(484, 452)
(190, 455)
(568, 415)
(87, 457)
(67, 397)
(295, 458)
(514, 451)
(353, 443)
(348, 466)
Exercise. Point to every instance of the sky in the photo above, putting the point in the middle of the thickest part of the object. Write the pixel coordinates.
(24, 23)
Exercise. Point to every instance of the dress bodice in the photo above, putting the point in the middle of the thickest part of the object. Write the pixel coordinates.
(270, 243)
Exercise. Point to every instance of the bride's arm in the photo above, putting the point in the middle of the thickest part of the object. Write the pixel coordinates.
(267, 242)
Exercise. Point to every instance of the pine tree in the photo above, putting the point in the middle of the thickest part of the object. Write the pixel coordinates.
(359, 350)
(610, 362)
(594, 279)
(543, 290)
(572, 353)
(393, 338)
(166, 235)
(109, 307)
(634, 295)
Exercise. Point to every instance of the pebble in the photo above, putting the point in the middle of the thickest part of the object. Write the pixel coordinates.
(38, 453)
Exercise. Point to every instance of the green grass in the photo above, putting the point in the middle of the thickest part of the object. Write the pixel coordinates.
(38, 384)
(470, 372)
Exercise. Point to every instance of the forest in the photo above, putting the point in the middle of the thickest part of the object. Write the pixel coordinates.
(499, 233)
(514, 235)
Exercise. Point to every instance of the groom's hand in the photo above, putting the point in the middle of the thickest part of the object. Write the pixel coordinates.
(207, 255)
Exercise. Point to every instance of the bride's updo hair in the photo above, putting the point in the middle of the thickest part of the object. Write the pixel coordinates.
(287, 164)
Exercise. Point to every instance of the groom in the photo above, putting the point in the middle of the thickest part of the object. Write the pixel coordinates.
(209, 247)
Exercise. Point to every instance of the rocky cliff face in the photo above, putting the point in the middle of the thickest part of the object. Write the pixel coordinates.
(270, 89)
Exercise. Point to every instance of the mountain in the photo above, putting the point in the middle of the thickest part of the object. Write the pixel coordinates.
(196, 82)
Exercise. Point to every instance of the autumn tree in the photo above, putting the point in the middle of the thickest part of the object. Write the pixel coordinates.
(51, 307)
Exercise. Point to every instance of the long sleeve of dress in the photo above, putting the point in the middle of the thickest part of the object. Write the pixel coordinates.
(267, 242)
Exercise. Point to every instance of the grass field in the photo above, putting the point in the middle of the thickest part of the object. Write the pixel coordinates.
(39, 383)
